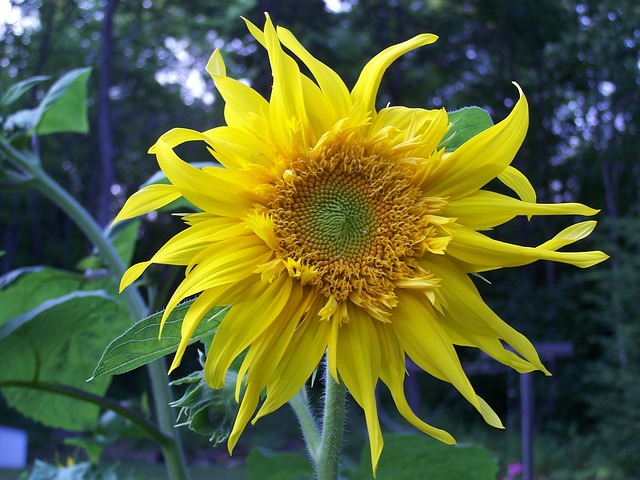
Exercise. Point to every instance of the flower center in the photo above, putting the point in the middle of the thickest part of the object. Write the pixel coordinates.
(335, 218)
(353, 218)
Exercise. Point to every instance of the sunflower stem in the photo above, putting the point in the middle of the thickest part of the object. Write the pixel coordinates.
(328, 464)
(172, 450)
(308, 424)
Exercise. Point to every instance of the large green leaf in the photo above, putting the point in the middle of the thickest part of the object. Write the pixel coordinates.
(58, 342)
(263, 465)
(407, 457)
(139, 345)
(64, 107)
(24, 289)
(466, 124)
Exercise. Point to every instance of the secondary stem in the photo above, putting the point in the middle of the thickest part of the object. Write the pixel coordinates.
(308, 425)
(328, 464)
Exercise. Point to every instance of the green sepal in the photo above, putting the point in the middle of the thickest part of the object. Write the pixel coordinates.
(139, 344)
(466, 123)
(207, 411)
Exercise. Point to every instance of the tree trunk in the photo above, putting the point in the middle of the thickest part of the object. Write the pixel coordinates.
(105, 132)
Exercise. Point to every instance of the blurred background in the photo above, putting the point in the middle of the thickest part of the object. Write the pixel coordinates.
(578, 62)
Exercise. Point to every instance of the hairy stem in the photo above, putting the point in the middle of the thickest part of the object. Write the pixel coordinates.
(328, 464)
(308, 424)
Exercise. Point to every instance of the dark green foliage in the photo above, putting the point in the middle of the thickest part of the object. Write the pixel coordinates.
(407, 457)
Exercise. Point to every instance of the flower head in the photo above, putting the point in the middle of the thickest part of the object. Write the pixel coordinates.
(335, 228)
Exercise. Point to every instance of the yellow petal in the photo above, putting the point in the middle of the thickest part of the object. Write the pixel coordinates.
(466, 311)
(298, 362)
(132, 274)
(151, 197)
(358, 362)
(482, 158)
(392, 373)
(211, 191)
(242, 325)
(262, 358)
(329, 81)
(215, 66)
(516, 181)
(484, 210)
(205, 302)
(225, 262)
(241, 101)
(484, 253)
(427, 343)
(366, 88)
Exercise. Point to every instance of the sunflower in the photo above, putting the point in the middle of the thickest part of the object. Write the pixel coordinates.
(332, 228)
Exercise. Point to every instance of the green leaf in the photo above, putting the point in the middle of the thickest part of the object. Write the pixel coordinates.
(64, 107)
(207, 411)
(15, 91)
(139, 345)
(57, 342)
(407, 457)
(466, 124)
(263, 465)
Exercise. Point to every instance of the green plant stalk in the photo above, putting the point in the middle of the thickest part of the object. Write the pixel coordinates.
(308, 424)
(172, 451)
(133, 416)
(328, 464)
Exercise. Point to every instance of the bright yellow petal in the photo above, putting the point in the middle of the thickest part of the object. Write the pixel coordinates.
(216, 191)
(416, 132)
(427, 343)
(392, 373)
(366, 88)
(225, 262)
(262, 358)
(359, 362)
(466, 311)
(242, 325)
(132, 274)
(205, 302)
(519, 183)
(483, 253)
(484, 210)
(215, 66)
(482, 158)
(329, 81)
(301, 358)
(151, 197)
